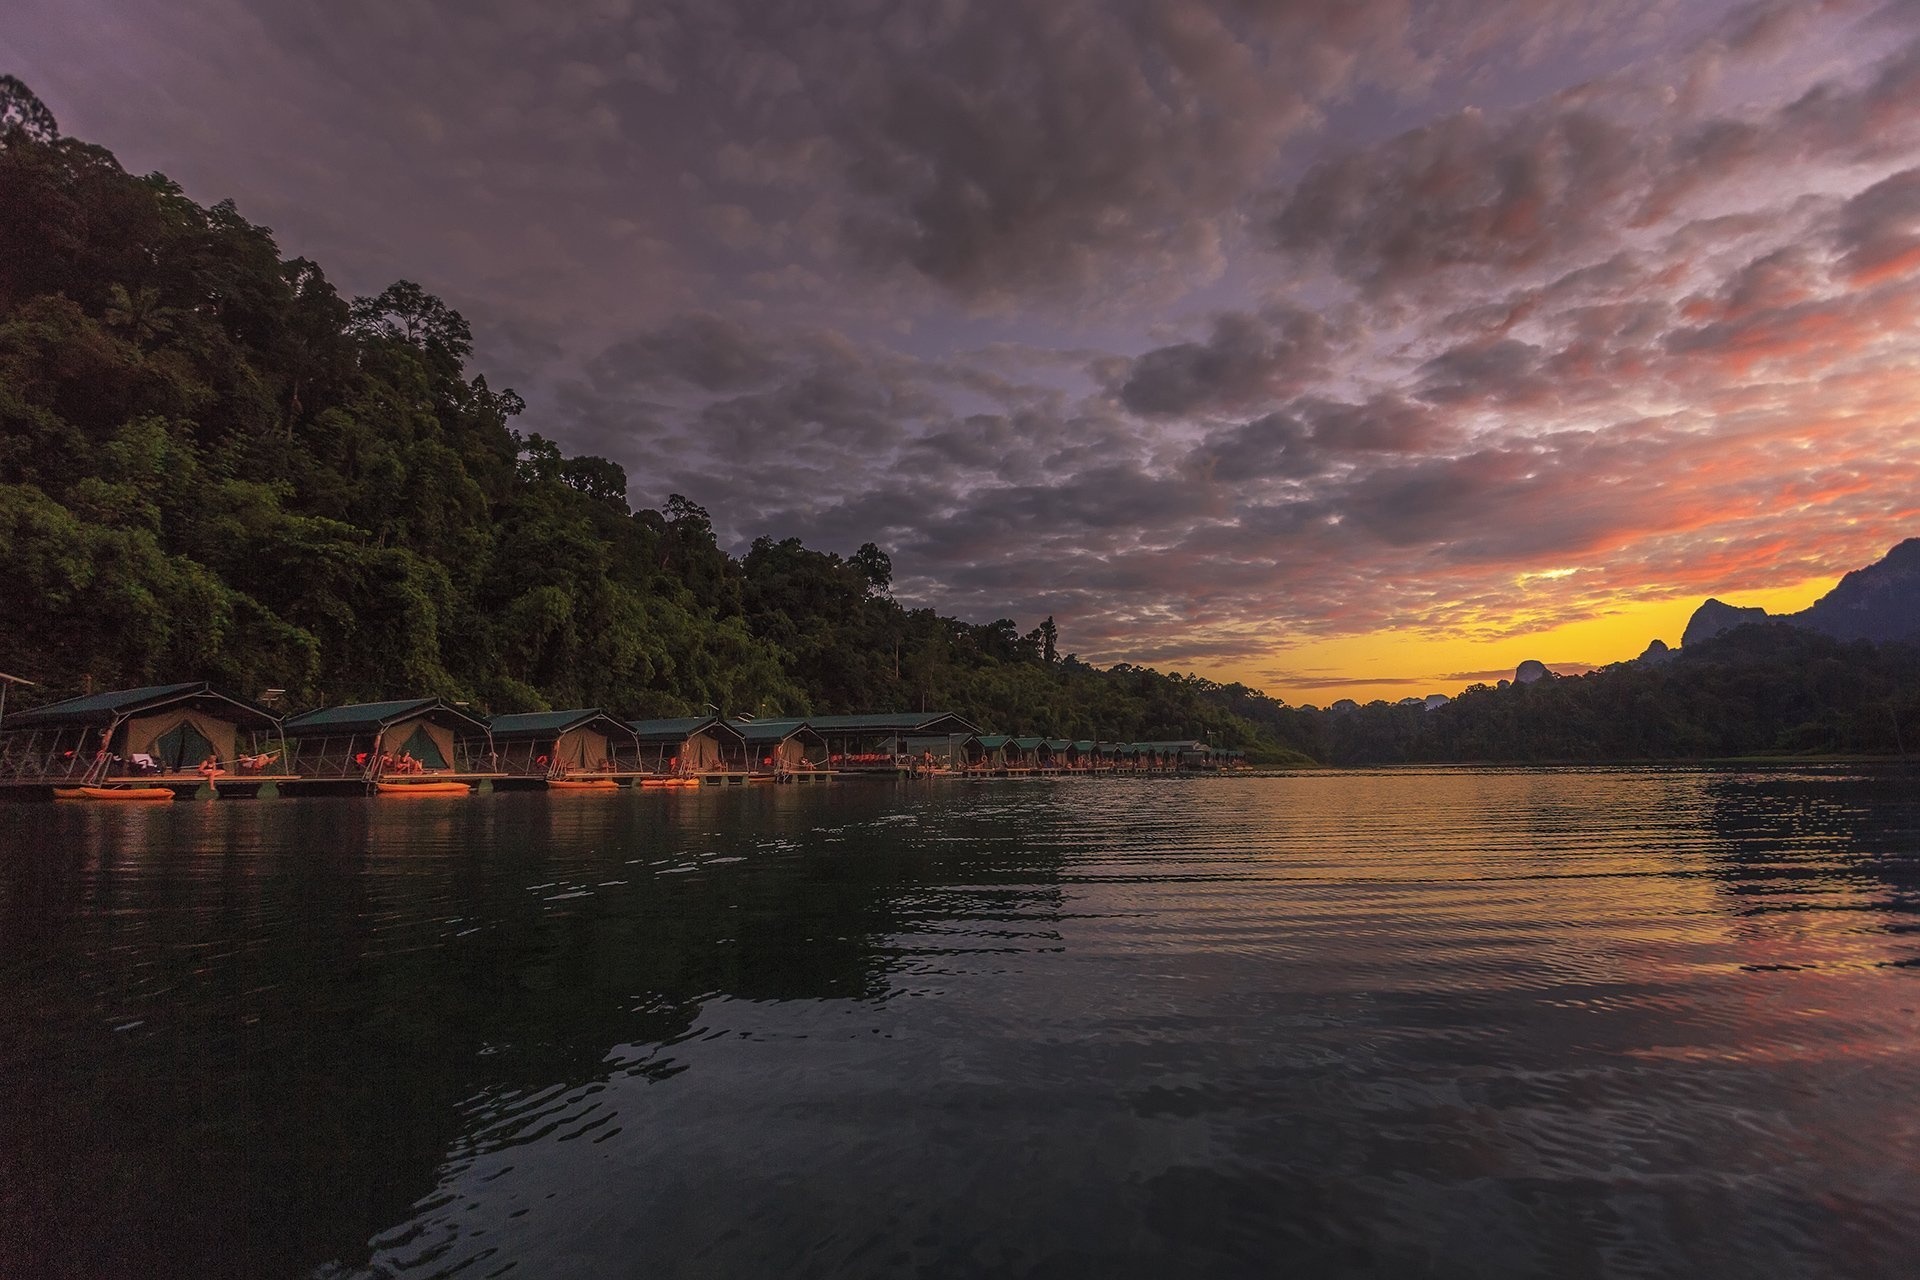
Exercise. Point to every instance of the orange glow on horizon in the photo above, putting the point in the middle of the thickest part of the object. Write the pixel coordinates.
(1398, 664)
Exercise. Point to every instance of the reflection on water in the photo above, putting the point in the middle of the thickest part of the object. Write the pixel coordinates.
(1440, 1022)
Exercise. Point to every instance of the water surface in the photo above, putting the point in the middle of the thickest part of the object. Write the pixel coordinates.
(1443, 1023)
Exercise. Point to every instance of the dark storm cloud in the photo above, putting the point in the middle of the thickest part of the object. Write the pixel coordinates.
(702, 351)
(1504, 371)
(1575, 173)
(1879, 229)
(907, 273)
(1465, 191)
(1247, 358)
(1312, 436)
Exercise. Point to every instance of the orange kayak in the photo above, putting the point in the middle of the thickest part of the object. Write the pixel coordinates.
(669, 782)
(582, 784)
(421, 788)
(113, 793)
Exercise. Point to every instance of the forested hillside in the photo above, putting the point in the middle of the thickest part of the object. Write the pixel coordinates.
(1761, 689)
(213, 465)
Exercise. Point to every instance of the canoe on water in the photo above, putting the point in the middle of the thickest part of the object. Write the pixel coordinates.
(582, 784)
(421, 788)
(149, 794)
(669, 782)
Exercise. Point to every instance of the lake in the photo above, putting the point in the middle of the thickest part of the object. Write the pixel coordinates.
(1403, 1023)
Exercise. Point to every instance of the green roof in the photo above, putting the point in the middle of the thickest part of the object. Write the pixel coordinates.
(677, 728)
(1029, 744)
(100, 707)
(942, 741)
(1059, 744)
(893, 722)
(1085, 744)
(104, 708)
(994, 741)
(770, 730)
(369, 717)
(539, 724)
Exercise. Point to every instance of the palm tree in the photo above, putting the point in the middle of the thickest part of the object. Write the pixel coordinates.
(140, 313)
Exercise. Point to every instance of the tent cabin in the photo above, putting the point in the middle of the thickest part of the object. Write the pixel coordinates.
(688, 745)
(1020, 753)
(1081, 755)
(560, 744)
(1181, 754)
(1062, 751)
(158, 731)
(1035, 753)
(781, 746)
(993, 748)
(946, 752)
(876, 741)
(366, 740)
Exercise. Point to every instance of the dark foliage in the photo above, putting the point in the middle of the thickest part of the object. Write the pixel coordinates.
(214, 466)
(1761, 689)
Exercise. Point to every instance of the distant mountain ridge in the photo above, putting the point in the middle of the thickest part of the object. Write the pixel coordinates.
(1880, 603)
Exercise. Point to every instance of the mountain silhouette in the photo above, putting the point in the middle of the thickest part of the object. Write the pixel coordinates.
(1880, 602)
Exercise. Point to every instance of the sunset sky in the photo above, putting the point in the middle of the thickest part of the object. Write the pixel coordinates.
(1350, 348)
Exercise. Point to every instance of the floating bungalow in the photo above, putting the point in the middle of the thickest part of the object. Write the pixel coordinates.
(876, 743)
(783, 750)
(162, 740)
(175, 735)
(945, 753)
(705, 748)
(1164, 757)
(585, 743)
(368, 742)
(993, 751)
(1034, 754)
(1188, 755)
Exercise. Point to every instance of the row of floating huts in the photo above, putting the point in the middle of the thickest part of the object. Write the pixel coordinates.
(165, 740)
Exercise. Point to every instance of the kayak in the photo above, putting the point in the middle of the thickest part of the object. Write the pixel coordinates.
(421, 788)
(582, 784)
(669, 782)
(113, 793)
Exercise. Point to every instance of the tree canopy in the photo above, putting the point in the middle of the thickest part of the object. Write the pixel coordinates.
(215, 466)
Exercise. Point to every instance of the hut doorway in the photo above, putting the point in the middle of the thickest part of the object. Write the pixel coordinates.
(423, 748)
(181, 747)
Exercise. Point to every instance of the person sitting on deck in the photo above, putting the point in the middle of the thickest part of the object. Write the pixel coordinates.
(210, 767)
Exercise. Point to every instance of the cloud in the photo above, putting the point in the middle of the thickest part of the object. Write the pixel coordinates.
(1465, 191)
(917, 274)
(1312, 436)
(696, 350)
(1582, 171)
(1247, 358)
(1879, 230)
